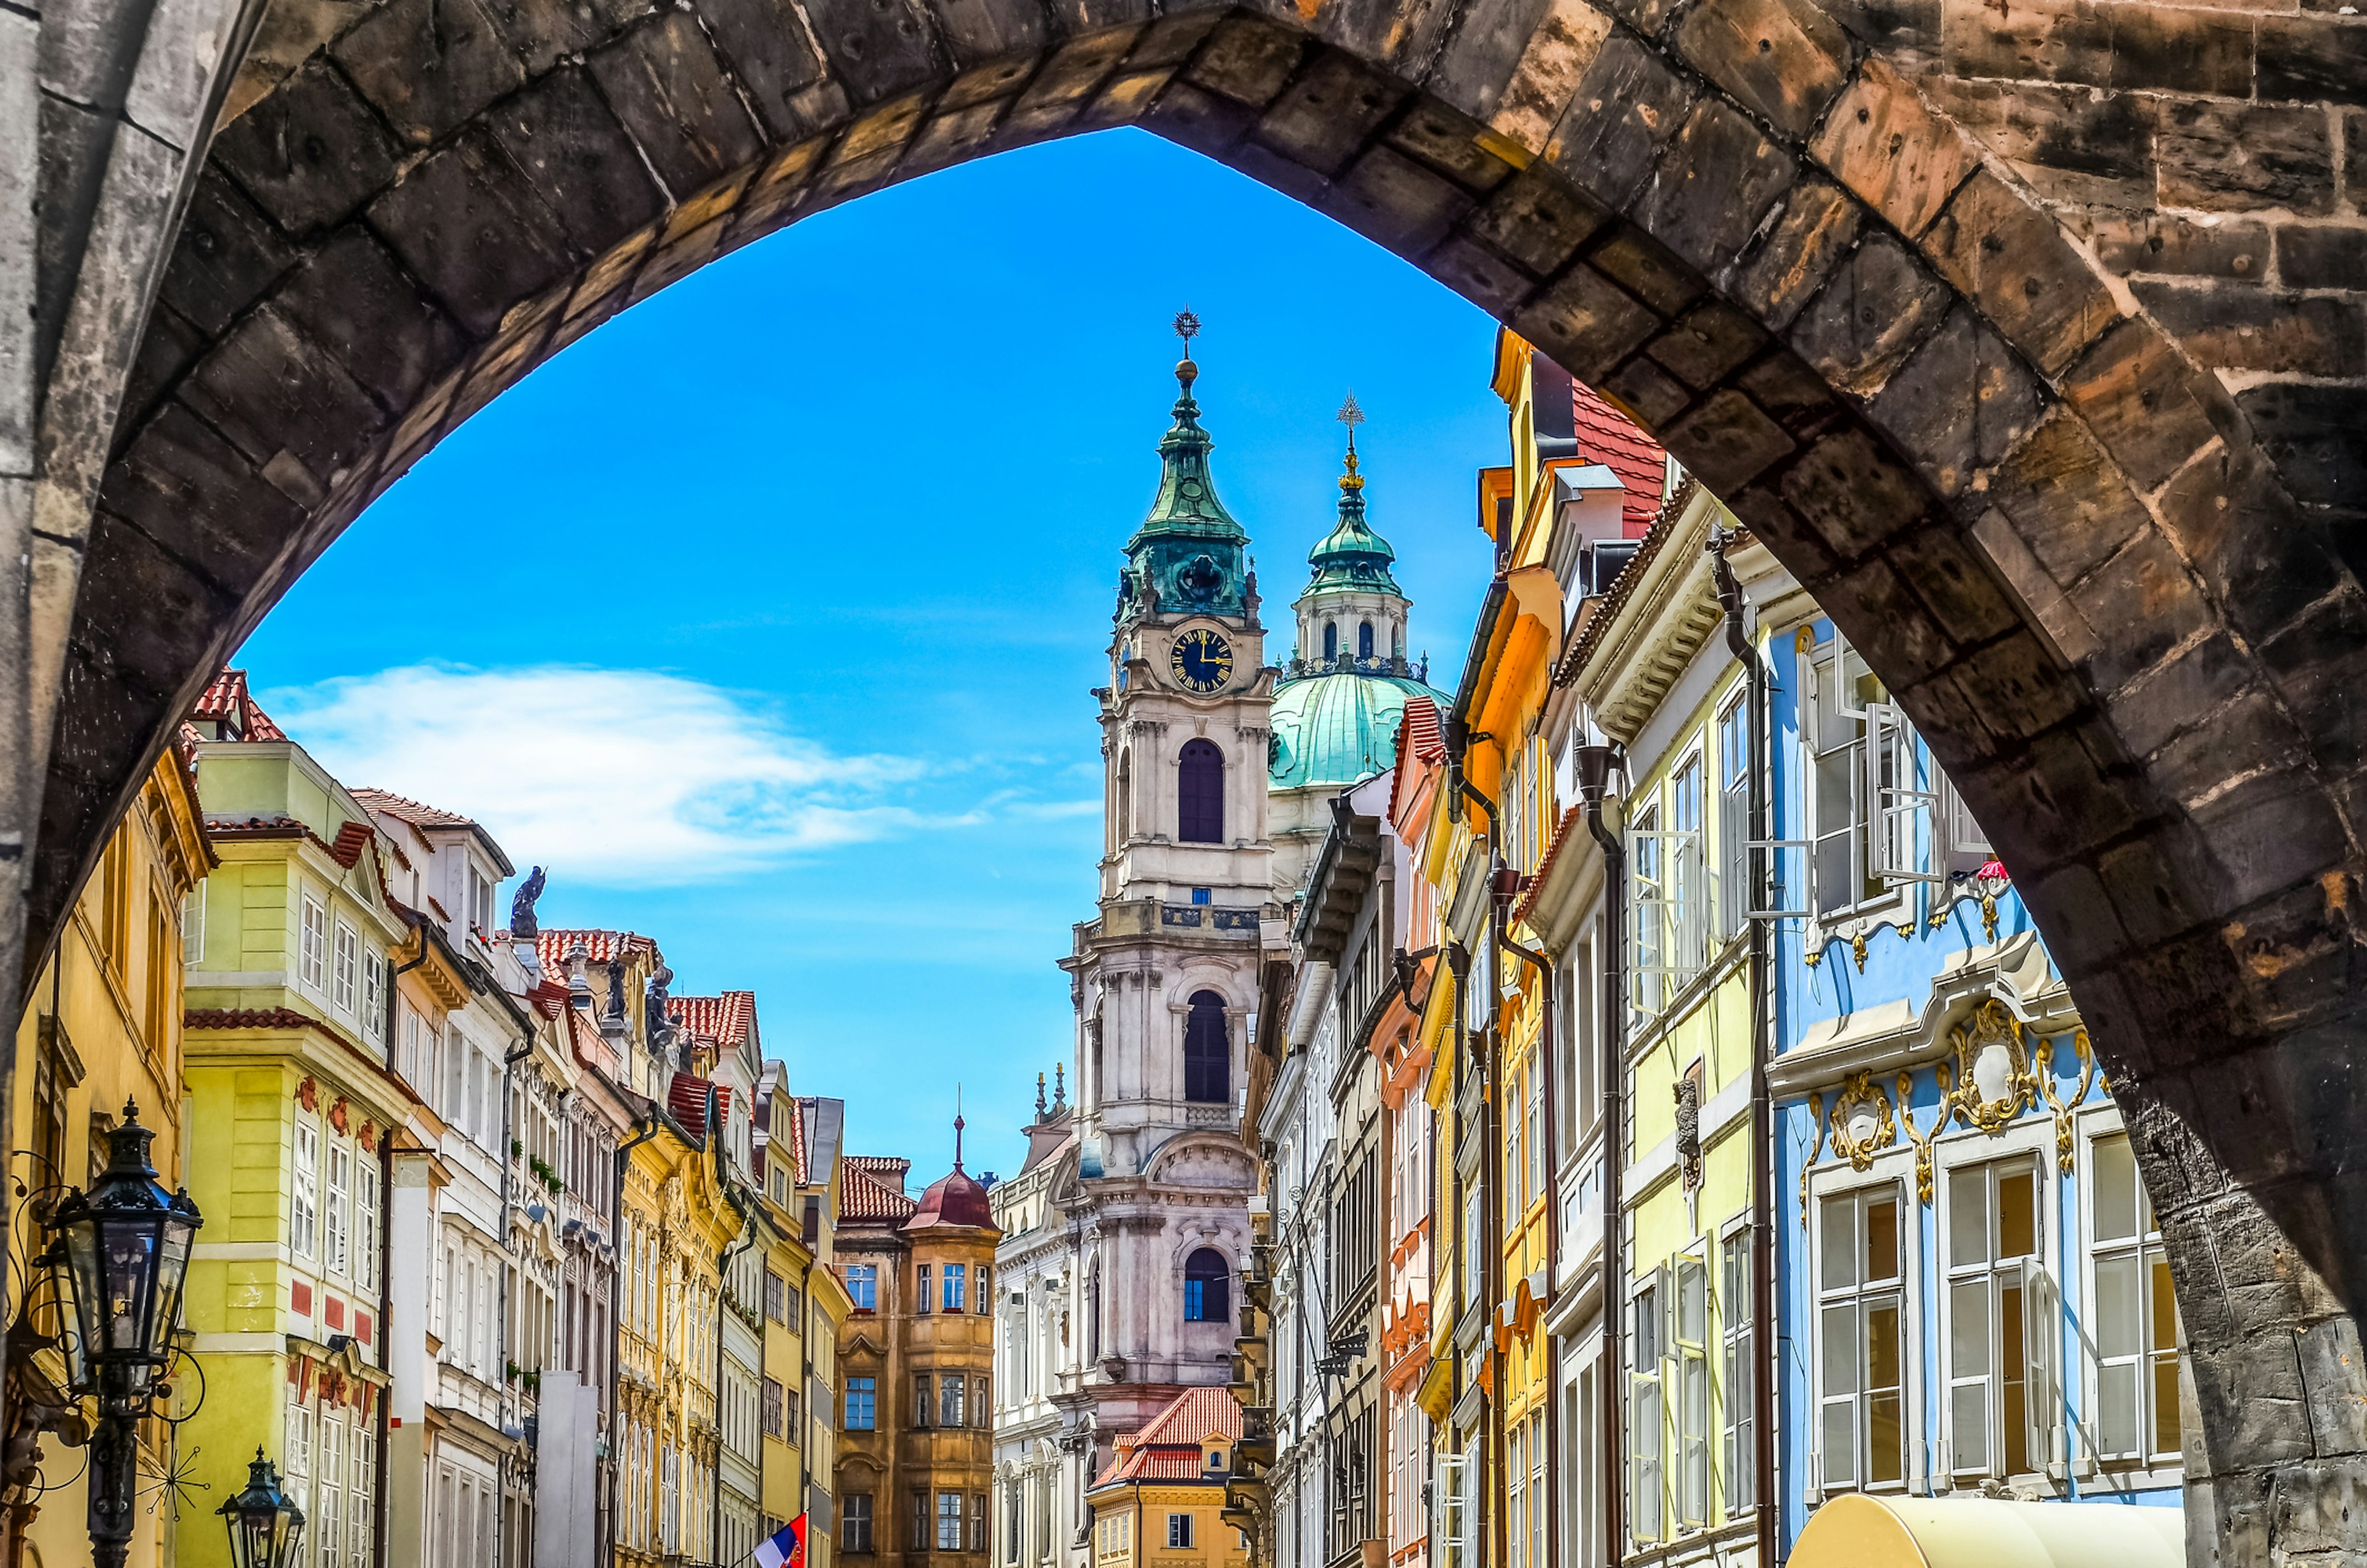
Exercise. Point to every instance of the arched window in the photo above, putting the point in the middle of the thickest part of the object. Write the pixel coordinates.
(1207, 1054)
(1331, 641)
(1207, 1287)
(1200, 793)
(1365, 640)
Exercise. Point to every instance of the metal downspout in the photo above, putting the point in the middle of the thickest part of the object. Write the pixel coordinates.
(1594, 771)
(1762, 1127)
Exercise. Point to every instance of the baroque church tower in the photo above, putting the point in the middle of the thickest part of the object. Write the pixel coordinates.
(1164, 976)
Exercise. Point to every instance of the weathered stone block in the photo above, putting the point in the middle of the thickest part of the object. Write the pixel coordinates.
(1715, 181)
(1646, 393)
(1586, 324)
(1396, 202)
(309, 154)
(1864, 322)
(1324, 116)
(427, 66)
(669, 91)
(1480, 275)
(1248, 61)
(2313, 58)
(1642, 266)
(1961, 402)
(1814, 227)
(2066, 501)
(1706, 342)
(2135, 391)
(2240, 328)
(227, 256)
(1537, 219)
(2312, 255)
(767, 47)
(2184, 246)
(1886, 144)
(1454, 144)
(1628, 103)
(466, 224)
(2229, 157)
(1854, 495)
(1785, 60)
(1559, 52)
(2012, 257)
(2171, 48)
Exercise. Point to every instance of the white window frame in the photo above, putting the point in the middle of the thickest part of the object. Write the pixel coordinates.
(1853, 1299)
(345, 969)
(311, 943)
(2102, 1350)
(304, 1187)
(2041, 1307)
(1739, 1365)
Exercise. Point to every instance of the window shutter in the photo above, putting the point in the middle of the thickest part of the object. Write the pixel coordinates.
(2043, 1350)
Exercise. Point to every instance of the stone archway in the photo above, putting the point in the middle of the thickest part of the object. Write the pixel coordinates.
(1859, 287)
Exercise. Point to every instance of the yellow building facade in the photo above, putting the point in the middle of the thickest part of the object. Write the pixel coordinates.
(102, 1028)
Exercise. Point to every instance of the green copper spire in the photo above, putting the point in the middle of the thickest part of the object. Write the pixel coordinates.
(1187, 555)
(1352, 558)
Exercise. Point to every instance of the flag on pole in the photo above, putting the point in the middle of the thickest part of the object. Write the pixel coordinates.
(786, 1549)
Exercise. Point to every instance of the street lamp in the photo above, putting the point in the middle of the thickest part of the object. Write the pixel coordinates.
(124, 1245)
(264, 1527)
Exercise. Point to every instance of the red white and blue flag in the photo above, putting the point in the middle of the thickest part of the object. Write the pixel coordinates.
(786, 1549)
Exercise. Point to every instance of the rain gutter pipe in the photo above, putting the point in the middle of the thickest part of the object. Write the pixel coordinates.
(1762, 1127)
(1594, 765)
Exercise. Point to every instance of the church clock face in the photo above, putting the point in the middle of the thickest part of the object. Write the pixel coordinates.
(1202, 661)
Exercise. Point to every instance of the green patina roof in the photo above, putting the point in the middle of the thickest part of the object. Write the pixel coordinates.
(1352, 558)
(1188, 549)
(1338, 727)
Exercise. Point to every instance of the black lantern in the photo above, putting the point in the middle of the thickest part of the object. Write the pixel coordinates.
(264, 1527)
(124, 1245)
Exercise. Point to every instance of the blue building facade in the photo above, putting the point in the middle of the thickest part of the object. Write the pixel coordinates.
(1972, 1295)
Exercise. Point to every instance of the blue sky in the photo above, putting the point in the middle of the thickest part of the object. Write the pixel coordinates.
(765, 615)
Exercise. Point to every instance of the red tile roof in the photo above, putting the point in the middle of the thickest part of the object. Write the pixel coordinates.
(863, 1196)
(227, 699)
(553, 945)
(1168, 1447)
(726, 1020)
(1607, 436)
(404, 810)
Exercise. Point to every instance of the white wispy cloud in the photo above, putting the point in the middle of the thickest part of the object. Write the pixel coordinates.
(618, 776)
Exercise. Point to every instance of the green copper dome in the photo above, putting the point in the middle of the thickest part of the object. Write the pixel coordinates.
(1336, 728)
(1352, 558)
(1187, 553)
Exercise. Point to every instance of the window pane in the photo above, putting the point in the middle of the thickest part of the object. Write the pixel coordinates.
(1838, 1223)
(1841, 1350)
(2116, 1189)
(1968, 1216)
(1882, 1239)
(2017, 1213)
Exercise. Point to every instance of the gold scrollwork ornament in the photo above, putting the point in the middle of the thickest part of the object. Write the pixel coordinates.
(1916, 1135)
(1994, 1083)
(1862, 1122)
(2061, 1107)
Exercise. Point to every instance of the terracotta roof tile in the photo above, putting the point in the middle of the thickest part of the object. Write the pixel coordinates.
(402, 808)
(227, 700)
(553, 945)
(863, 1196)
(1607, 436)
(1168, 1447)
(727, 1019)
